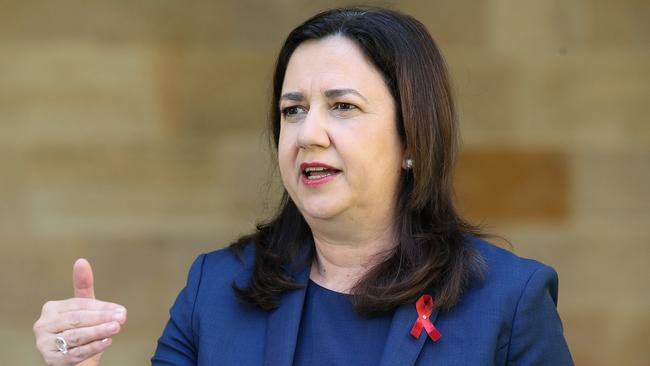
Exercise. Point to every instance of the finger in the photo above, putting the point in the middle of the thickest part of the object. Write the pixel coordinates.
(85, 318)
(81, 353)
(82, 279)
(78, 303)
(82, 336)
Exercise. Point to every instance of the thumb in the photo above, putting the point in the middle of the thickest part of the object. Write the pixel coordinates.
(82, 279)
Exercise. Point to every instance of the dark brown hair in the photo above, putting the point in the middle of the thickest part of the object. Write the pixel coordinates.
(432, 253)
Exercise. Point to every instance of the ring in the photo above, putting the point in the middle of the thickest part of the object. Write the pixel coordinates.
(61, 345)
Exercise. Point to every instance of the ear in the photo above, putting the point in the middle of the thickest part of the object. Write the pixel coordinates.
(405, 155)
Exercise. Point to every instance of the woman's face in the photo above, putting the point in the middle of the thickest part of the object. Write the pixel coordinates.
(339, 151)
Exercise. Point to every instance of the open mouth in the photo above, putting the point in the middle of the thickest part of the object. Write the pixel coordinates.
(314, 174)
(318, 172)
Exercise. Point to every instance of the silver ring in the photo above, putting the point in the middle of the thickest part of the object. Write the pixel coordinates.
(61, 345)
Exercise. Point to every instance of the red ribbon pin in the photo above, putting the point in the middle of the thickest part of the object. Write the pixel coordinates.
(424, 305)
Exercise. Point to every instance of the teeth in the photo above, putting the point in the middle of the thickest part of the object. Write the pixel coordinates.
(314, 169)
(319, 176)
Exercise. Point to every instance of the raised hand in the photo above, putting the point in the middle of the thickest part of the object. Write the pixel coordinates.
(76, 331)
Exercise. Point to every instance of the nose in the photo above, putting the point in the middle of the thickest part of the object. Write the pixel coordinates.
(313, 130)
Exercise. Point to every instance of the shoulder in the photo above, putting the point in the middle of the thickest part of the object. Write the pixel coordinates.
(510, 313)
(508, 270)
(210, 283)
(519, 296)
(504, 265)
(194, 322)
(222, 266)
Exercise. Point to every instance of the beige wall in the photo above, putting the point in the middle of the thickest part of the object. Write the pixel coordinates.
(130, 134)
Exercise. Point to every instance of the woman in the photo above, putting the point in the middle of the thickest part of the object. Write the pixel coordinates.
(366, 251)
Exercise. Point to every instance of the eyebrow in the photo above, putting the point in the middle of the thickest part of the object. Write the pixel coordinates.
(295, 96)
(331, 93)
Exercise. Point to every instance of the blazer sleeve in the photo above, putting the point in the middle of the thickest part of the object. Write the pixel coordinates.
(178, 346)
(537, 336)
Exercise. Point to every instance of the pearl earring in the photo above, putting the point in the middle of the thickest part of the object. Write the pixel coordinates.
(408, 164)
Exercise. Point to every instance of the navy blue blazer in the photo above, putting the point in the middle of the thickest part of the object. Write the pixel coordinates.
(509, 318)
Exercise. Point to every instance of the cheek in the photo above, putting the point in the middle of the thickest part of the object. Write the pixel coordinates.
(376, 157)
(286, 154)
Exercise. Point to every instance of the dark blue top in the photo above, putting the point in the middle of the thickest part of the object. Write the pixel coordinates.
(332, 333)
(506, 319)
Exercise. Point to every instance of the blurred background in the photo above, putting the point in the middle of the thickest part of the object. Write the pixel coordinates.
(131, 133)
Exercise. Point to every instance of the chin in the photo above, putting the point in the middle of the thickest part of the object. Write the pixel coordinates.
(320, 210)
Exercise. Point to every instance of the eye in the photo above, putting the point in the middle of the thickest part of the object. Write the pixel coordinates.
(344, 106)
(292, 111)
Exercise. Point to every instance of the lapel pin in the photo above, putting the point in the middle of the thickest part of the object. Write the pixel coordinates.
(424, 306)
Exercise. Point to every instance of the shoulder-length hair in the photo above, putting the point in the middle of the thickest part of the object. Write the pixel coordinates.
(432, 253)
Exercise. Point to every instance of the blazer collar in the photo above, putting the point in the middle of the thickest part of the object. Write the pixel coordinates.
(401, 347)
(283, 326)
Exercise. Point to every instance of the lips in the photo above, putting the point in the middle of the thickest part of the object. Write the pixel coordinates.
(315, 173)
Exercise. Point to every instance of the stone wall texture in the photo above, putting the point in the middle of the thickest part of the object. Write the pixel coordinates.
(131, 134)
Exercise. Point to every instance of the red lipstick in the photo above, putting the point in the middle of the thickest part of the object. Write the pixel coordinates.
(316, 174)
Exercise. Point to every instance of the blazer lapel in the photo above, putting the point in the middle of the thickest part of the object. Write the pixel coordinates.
(401, 347)
(283, 324)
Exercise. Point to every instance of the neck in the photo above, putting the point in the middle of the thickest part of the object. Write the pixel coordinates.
(342, 259)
